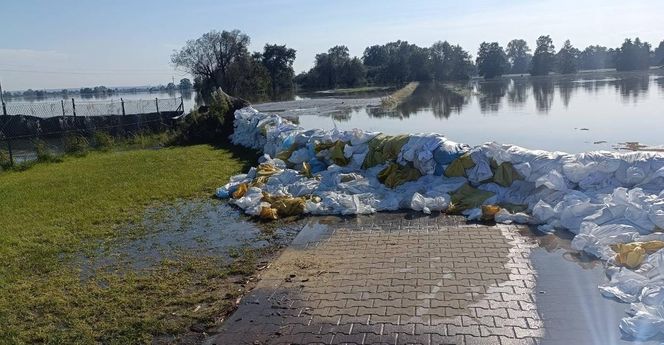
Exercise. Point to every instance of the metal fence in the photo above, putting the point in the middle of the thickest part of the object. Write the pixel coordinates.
(93, 108)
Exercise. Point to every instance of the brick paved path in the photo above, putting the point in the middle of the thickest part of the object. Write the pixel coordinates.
(393, 280)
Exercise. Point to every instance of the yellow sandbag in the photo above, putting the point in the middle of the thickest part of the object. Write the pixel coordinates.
(384, 148)
(285, 155)
(268, 213)
(266, 169)
(505, 174)
(336, 151)
(468, 197)
(240, 191)
(394, 175)
(458, 167)
(284, 205)
(306, 169)
(489, 211)
(631, 255)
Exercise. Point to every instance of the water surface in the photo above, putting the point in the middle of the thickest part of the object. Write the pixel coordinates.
(584, 112)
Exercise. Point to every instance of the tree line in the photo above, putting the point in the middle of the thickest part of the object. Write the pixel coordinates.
(222, 60)
(185, 85)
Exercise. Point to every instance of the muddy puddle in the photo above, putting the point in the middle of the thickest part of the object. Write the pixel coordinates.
(200, 227)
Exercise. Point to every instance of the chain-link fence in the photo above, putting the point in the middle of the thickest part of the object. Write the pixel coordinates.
(93, 108)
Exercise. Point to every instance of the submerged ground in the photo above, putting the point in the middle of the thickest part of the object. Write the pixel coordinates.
(111, 248)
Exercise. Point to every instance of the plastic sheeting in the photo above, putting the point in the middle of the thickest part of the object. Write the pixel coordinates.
(605, 198)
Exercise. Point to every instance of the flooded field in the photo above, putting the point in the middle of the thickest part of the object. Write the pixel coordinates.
(584, 112)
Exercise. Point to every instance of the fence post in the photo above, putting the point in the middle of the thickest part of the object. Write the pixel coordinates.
(73, 106)
(62, 103)
(4, 108)
(123, 108)
(182, 103)
(156, 102)
(11, 154)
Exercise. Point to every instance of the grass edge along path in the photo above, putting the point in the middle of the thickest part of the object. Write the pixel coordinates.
(52, 212)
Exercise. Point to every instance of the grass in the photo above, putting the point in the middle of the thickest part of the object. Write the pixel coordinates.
(52, 213)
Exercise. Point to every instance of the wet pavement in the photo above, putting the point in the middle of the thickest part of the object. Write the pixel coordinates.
(400, 278)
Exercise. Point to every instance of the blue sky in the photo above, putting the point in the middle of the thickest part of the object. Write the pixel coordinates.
(56, 44)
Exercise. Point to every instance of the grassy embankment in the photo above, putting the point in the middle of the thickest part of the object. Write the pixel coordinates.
(399, 96)
(52, 214)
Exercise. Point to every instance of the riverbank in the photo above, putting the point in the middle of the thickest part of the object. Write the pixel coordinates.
(59, 218)
(399, 96)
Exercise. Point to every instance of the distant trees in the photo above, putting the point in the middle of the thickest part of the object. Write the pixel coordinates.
(185, 84)
(566, 59)
(543, 58)
(658, 55)
(518, 55)
(450, 62)
(594, 57)
(632, 56)
(491, 60)
(278, 60)
(334, 69)
(222, 59)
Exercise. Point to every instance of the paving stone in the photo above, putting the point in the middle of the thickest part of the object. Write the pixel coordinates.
(389, 279)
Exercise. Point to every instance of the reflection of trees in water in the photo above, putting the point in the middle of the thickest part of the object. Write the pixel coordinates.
(343, 114)
(632, 87)
(543, 93)
(660, 82)
(566, 88)
(491, 94)
(443, 101)
(517, 94)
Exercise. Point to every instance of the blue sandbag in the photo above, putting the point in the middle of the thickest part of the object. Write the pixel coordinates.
(316, 165)
(444, 157)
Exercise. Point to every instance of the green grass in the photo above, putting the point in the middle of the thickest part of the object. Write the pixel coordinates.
(55, 212)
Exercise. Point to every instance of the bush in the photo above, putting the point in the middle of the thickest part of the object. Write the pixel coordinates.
(211, 126)
(44, 154)
(102, 141)
(76, 145)
(5, 162)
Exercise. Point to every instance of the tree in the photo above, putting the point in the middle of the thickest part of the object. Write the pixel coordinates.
(354, 73)
(333, 69)
(449, 62)
(212, 55)
(658, 56)
(278, 60)
(632, 56)
(185, 84)
(543, 58)
(491, 60)
(594, 57)
(170, 87)
(567, 58)
(518, 54)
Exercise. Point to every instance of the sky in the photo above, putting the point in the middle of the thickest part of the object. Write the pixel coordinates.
(53, 44)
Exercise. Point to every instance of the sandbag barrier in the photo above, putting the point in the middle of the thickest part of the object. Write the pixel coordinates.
(613, 202)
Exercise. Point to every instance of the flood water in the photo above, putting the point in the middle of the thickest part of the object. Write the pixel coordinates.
(583, 112)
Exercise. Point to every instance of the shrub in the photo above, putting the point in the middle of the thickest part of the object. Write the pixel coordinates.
(5, 162)
(76, 145)
(44, 154)
(211, 126)
(102, 141)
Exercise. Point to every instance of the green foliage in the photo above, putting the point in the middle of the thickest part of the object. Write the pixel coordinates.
(44, 154)
(566, 59)
(55, 213)
(222, 60)
(102, 141)
(491, 60)
(212, 126)
(5, 162)
(543, 58)
(658, 55)
(76, 145)
(518, 54)
(450, 62)
(594, 57)
(633, 56)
